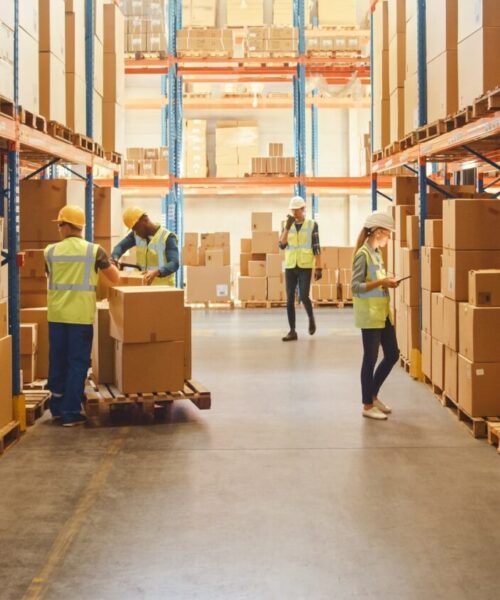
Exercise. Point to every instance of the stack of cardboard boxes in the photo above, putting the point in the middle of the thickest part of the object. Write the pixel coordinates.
(207, 259)
(7, 49)
(206, 42)
(283, 13)
(397, 66)
(6, 405)
(28, 343)
(195, 148)
(236, 142)
(76, 117)
(335, 282)
(113, 127)
(381, 114)
(278, 41)
(29, 88)
(411, 77)
(146, 162)
(275, 163)
(145, 26)
(199, 13)
(341, 13)
(247, 14)
(108, 226)
(333, 43)
(261, 263)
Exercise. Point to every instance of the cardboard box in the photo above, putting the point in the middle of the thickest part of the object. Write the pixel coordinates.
(346, 254)
(28, 338)
(397, 62)
(6, 406)
(413, 232)
(434, 204)
(442, 79)
(33, 292)
(426, 311)
(478, 333)
(411, 102)
(275, 265)
(404, 189)
(262, 222)
(450, 324)
(103, 346)
(29, 89)
(427, 355)
(52, 33)
(276, 289)
(397, 115)
(191, 239)
(52, 103)
(34, 265)
(39, 316)
(402, 211)
(29, 17)
(188, 358)
(437, 316)
(478, 393)
(484, 287)
(441, 27)
(107, 212)
(246, 246)
(114, 26)
(456, 267)
(438, 358)
(245, 259)
(252, 289)
(451, 373)
(146, 314)
(413, 329)
(265, 242)
(257, 268)
(431, 268)
(113, 125)
(214, 257)
(411, 269)
(75, 40)
(4, 318)
(329, 258)
(208, 284)
(164, 361)
(76, 119)
(434, 233)
(396, 17)
(476, 14)
(28, 367)
(471, 224)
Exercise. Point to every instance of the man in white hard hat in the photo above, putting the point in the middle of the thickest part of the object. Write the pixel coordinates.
(157, 251)
(72, 268)
(300, 240)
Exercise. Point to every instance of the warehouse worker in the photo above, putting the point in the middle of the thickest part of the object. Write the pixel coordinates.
(72, 268)
(157, 251)
(300, 240)
(372, 313)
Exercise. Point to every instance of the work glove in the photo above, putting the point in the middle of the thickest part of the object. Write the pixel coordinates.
(318, 274)
(289, 222)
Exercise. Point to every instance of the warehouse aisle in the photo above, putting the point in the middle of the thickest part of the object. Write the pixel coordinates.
(282, 491)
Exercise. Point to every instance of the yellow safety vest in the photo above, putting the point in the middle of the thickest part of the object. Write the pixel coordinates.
(72, 281)
(151, 256)
(299, 252)
(372, 308)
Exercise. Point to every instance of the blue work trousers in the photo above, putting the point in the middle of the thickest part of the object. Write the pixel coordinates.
(70, 347)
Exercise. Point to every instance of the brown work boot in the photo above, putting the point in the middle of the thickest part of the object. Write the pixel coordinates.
(291, 336)
(312, 326)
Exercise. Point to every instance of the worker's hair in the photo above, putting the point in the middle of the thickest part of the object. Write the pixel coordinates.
(364, 234)
(72, 226)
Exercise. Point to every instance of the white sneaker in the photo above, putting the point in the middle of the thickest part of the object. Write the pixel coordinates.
(382, 406)
(374, 413)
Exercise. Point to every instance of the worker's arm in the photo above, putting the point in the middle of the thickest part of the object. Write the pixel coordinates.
(112, 274)
(172, 258)
(122, 247)
(103, 263)
(359, 285)
(283, 241)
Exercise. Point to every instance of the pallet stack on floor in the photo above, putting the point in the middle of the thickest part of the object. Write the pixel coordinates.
(334, 287)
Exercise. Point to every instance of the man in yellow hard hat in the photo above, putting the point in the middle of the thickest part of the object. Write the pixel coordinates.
(300, 240)
(156, 247)
(72, 269)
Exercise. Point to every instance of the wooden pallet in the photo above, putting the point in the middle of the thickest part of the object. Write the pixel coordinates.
(436, 390)
(204, 54)
(38, 384)
(336, 303)
(98, 150)
(32, 120)
(460, 118)
(36, 402)
(60, 132)
(405, 364)
(101, 401)
(7, 107)
(486, 103)
(430, 131)
(83, 142)
(378, 155)
(9, 434)
(408, 141)
(494, 434)
(212, 305)
(114, 157)
(141, 55)
(476, 426)
(262, 304)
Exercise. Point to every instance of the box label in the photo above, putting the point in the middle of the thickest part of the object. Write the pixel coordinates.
(221, 290)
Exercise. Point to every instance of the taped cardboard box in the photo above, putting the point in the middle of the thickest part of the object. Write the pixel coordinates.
(484, 287)
(478, 333)
(438, 358)
(6, 406)
(451, 373)
(252, 288)
(146, 314)
(265, 242)
(208, 284)
(471, 224)
(257, 268)
(275, 265)
(262, 222)
(437, 315)
(434, 233)
(456, 267)
(431, 268)
(450, 323)
(150, 367)
(404, 189)
(478, 393)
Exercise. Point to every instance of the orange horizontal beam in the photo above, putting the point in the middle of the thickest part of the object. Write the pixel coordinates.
(347, 182)
(7, 128)
(46, 144)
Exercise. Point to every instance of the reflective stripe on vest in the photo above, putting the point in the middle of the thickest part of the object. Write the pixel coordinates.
(88, 260)
(151, 256)
(299, 251)
(372, 308)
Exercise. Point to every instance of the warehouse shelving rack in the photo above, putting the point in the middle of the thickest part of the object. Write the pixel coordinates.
(475, 145)
(25, 145)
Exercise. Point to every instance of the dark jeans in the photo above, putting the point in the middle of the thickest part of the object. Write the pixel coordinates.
(302, 278)
(69, 360)
(372, 339)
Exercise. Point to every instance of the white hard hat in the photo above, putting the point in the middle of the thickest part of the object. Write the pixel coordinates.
(296, 202)
(380, 219)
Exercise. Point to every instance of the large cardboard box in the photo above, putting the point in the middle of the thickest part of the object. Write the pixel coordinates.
(40, 202)
(427, 355)
(75, 40)
(413, 329)
(434, 233)
(52, 27)
(265, 242)
(438, 358)
(411, 269)
(257, 268)
(442, 79)
(441, 27)
(339, 13)
(4, 318)
(329, 258)
(29, 18)
(426, 311)
(404, 188)
(451, 373)
(413, 232)
(276, 290)
(437, 316)
(484, 287)
(29, 92)
(397, 63)
(114, 82)
(456, 267)
(52, 102)
(411, 103)
(103, 346)
(252, 288)
(150, 367)
(208, 284)
(478, 333)
(476, 14)
(39, 316)
(28, 367)
(33, 292)
(28, 338)
(478, 392)
(262, 222)
(188, 350)
(107, 212)
(113, 138)
(34, 264)
(214, 257)
(431, 268)
(402, 211)
(346, 254)
(114, 27)
(450, 323)
(275, 265)
(76, 118)
(397, 125)
(6, 405)
(146, 314)
(471, 224)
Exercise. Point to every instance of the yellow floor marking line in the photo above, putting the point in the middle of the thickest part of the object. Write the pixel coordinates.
(60, 547)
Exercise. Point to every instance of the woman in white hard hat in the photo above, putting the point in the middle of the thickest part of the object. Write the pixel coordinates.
(300, 240)
(370, 288)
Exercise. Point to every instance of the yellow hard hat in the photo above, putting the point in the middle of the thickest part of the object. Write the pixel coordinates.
(131, 215)
(73, 215)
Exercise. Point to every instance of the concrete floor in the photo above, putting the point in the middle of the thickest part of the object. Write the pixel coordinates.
(281, 491)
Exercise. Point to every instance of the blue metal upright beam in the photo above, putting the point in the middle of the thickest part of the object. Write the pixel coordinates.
(314, 148)
(372, 115)
(422, 63)
(299, 104)
(89, 110)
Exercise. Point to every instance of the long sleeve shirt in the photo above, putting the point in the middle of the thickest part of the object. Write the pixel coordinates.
(171, 253)
(360, 268)
(316, 248)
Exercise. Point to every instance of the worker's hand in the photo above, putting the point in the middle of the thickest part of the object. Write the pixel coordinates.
(289, 222)
(389, 282)
(150, 276)
(318, 273)
(115, 262)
